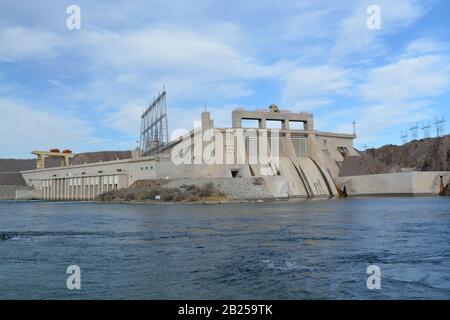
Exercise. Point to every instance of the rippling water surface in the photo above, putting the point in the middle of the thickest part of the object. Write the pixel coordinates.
(278, 250)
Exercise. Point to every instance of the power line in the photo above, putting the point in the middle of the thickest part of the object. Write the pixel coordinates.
(414, 128)
(426, 129)
(440, 129)
(404, 137)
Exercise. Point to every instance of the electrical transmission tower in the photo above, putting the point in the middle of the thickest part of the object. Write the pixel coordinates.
(154, 127)
(440, 129)
(426, 129)
(414, 128)
(404, 137)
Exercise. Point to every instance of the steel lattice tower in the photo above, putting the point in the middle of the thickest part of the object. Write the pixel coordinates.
(414, 129)
(426, 129)
(154, 127)
(440, 129)
(404, 137)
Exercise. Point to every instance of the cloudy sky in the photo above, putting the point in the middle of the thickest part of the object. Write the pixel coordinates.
(85, 89)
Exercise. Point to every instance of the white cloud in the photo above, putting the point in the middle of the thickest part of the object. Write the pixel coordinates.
(310, 87)
(24, 129)
(126, 119)
(195, 67)
(411, 78)
(19, 43)
(162, 49)
(310, 51)
(379, 122)
(424, 46)
(356, 39)
(395, 95)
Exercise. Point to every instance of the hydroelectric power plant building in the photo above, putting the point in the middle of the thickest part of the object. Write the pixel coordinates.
(293, 161)
(304, 164)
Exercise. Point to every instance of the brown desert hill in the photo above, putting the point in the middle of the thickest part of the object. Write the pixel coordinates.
(16, 165)
(11, 179)
(9, 168)
(430, 154)
(91, 157)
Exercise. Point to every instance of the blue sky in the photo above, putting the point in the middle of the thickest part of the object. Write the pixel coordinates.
(85, 89)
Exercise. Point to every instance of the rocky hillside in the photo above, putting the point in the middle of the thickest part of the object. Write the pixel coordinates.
(431, 154)
(91, 157)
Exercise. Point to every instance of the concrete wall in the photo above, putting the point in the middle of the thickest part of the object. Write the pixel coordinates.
(326, 151)
(263, 115)
(9, 192)
(144, 168)
(426, 182)
(30, 194)
(80, 188)
(241, 188)
(399, 183)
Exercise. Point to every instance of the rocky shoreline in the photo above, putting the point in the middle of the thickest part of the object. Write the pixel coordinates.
(158, 191)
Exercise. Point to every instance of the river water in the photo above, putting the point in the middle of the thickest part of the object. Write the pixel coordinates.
(312, 249)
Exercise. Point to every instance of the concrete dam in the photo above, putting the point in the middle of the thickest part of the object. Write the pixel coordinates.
(291, 158)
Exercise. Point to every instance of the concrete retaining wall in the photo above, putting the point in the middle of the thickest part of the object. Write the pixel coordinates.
(28, 194)
(9, 192)
(399, 183)
(241, 188)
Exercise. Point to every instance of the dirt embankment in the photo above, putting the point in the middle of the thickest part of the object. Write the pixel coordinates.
(431, 154)
(192, 190)
(158, 190)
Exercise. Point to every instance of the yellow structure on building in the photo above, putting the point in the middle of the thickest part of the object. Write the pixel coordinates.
(41, 155)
